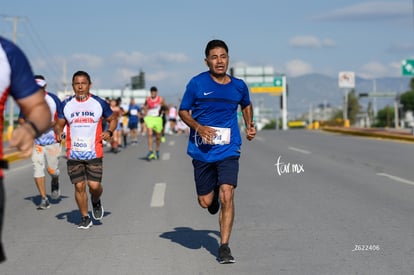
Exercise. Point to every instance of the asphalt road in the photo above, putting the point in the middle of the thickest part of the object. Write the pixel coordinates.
(308, 202)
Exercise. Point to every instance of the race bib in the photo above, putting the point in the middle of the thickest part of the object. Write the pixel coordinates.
(153, 112)
(134, 112)
(222, 136)
(82, 144)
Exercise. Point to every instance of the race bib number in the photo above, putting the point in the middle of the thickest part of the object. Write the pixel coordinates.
(153, 112)
(222, 136)
(134, 112)
(82, 144)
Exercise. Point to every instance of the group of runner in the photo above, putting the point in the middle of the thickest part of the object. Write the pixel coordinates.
(209, 108)
(151, 119)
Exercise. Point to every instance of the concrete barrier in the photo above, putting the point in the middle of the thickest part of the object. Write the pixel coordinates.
(371, 132)
(11, 155)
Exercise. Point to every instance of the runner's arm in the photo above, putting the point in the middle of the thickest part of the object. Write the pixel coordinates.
(248, 121)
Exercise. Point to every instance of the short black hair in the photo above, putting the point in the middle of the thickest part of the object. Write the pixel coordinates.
(216, 43)
(153, 88)
(81, 73)
(39, 76)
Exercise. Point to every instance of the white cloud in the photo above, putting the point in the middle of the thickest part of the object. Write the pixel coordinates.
(373, 70)
(125, 74)
(297, 67)
(401, 48)
(172, 57)
(309, 41)
(376, 10)
(87, 60)
(328, 42)
(131, 59)
(154, 59)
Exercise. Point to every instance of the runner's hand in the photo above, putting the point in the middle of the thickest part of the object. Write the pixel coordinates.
(250, 131)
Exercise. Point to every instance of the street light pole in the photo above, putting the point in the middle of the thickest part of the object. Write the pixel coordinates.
(11, 101)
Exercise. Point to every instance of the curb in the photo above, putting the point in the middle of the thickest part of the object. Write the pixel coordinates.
(370, 133)
(11, 156)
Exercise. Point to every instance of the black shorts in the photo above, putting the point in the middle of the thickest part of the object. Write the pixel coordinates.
(208, 175)
(81, 170)
(133, 125)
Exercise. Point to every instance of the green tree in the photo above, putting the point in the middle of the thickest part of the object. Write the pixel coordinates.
(385, 117)
(353, 106)
(407, 98)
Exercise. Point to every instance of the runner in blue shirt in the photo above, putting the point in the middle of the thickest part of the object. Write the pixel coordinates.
(209, 107)
(133, 119)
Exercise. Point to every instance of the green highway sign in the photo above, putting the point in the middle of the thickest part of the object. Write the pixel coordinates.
(278, 81)
(407, 67)
(268, 87)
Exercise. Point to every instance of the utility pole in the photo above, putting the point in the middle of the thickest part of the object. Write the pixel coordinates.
(284, 103)
(310, 115)
(374, 89)
(10, 129)
(64, 78)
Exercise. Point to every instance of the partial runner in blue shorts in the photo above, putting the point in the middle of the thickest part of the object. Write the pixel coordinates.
(209, 175)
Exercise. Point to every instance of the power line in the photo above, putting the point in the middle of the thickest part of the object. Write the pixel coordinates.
(51, 64)
(34, 47)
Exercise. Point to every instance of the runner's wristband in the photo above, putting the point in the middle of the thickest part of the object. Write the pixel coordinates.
(110, 133)
(34, 127)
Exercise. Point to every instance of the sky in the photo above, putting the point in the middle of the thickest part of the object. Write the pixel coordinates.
(115, 40)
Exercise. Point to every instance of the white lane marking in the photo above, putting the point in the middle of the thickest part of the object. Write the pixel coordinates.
(299, 150)
(158, 194)
(165, 156)
(395, 178)
(171, 143)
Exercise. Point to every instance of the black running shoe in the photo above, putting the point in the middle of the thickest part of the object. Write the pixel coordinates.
(97, 210)
(44, 204)
(224, 255)
(55, 194)
(215, 204)
(85, 223)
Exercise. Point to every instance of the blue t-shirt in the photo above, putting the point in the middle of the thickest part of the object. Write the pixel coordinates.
(48, 137)
(214, 104)
(133, 111)
(16, 76)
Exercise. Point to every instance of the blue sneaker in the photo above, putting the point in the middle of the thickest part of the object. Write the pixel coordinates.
(157, 155)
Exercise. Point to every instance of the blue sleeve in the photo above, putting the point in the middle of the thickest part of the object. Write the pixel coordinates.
(242, 87)
(62, 107)
(189, 96)
(106, 109)
(56, 100)
(23, 83)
